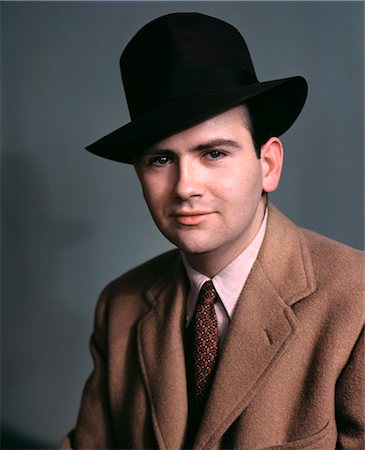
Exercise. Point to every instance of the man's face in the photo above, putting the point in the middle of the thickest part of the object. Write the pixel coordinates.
(203, 186)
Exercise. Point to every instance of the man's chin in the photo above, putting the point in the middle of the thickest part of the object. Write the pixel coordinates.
(200, 244)
(195, 249)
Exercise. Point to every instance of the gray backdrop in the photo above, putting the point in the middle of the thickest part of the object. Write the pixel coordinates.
(73, 221)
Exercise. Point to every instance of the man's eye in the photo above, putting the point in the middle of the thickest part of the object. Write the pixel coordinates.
(159, 160)
(214, 154)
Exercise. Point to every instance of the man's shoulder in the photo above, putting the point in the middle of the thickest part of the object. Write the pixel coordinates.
(128, 298)
(334, 254)
(332, 268)
(323, 250)
(339, 271)
(150, 276)
(148, 273)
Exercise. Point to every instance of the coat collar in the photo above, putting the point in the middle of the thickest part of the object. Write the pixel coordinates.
(285, 259)
(262, 327)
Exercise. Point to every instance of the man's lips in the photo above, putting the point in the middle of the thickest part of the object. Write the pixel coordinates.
(191, 217)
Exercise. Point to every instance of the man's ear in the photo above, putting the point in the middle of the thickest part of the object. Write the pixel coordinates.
(272, 155)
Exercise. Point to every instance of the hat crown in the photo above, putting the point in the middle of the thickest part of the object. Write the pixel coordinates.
(179, 55)
(183, 68)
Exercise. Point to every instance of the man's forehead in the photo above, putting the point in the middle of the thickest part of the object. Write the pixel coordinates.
(216, 130)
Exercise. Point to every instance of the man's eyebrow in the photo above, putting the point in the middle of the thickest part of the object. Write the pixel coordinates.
(217, 143)
(150, 151)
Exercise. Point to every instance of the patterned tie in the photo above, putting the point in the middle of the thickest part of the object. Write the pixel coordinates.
(205, 342)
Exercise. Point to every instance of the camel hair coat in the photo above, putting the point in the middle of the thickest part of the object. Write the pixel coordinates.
(290, 375)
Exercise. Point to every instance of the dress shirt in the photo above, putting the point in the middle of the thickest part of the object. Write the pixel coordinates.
(228, 283)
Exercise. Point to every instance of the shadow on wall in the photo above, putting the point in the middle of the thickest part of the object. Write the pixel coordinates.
(36, 309)
(11, 439)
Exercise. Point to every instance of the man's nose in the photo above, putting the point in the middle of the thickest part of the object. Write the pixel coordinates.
(188, 180)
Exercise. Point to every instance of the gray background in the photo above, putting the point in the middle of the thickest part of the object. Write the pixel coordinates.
(72, 221)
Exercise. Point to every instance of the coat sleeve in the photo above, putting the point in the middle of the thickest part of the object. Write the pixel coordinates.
(93, 428)
(350, 401)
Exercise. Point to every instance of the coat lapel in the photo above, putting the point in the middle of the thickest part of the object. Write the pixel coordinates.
(161, 354)
(262, 327)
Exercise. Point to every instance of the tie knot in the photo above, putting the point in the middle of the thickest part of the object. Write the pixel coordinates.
(208, 293)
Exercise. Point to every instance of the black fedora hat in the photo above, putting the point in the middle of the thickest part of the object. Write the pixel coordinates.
(183, 68)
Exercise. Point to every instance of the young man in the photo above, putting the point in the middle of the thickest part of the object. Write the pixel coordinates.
(248, 335)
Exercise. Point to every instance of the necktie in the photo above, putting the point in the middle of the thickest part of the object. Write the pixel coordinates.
(205, 342)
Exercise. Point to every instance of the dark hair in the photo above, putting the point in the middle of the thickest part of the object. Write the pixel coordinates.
(252, 119)
(257, 123)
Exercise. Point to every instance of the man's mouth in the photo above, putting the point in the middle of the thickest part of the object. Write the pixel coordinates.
(191, 217)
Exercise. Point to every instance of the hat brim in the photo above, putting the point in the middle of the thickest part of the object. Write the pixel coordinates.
(280, 102)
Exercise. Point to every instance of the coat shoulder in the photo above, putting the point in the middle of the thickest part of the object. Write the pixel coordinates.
(301, 261)
(131, 290)
(147, 274)
(334, 257)
(339, 270)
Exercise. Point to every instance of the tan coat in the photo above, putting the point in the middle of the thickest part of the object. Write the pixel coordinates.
(291, 374)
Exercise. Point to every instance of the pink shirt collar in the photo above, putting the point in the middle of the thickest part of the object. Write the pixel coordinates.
(230, 281)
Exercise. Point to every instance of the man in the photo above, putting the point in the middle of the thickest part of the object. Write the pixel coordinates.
(248, 335)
